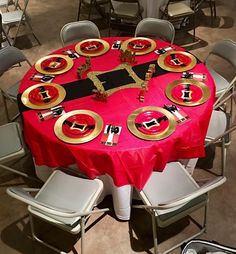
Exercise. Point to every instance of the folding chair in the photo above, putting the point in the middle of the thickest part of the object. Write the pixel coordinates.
(3, 35)
(125, 13)
(180, 13)
(156, 28)
(91, 4)
(16, 18)
(12, 147)
(64, 201)
(172, 195)
(77, 31)
(6, 3)
(9, 58)
(225, 50)
(221, 126)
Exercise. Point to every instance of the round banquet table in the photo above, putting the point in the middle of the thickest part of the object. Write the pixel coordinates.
(131, 162)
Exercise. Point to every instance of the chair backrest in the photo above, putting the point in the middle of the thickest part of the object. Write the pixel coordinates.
(10, 56)
(158, 195)
(226, 49)
(151, 27)
(232, 126)
(79, 30)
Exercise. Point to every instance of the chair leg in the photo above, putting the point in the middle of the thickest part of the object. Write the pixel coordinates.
(92, 2)
(154, 232)
(31, 29)
(36, 238)
(17, 31)
(5, 106)
(82, 225)
(78, 15)
(223, 157)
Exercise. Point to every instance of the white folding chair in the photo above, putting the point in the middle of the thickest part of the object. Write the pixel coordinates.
(221, 126)
(124, 13)
(172, 195)
(17, 17)
(9, 58)
(12, 147)
(156, 28)
(92, 4)
(64, 201)
(226, 50)
(79, 30)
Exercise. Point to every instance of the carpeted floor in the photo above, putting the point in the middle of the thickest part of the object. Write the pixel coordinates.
(109, 235)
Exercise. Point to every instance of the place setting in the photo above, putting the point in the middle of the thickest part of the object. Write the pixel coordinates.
(139, 45)
(43, 96)
(187, 92)
(92, 47)
(54, 64)
(176, 61)
(78, 126)
(151, 123)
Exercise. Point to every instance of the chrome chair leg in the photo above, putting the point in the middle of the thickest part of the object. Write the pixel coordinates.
(154, 232)
(36, 238)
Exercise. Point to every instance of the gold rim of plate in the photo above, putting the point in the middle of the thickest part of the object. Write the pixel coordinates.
(69, 65)
(97, 130)
(25, 96)
(161, 61)
(166, 133)
(124, 45)
(106, 47)
(205, 91)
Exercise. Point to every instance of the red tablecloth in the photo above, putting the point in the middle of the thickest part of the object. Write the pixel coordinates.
(133, 159)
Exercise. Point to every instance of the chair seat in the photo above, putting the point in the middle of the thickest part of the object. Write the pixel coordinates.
(163, 186)
(165, 220)
(126, 10)
(11, 145)
(220, 82)
(3, 3)
(11, 17)
(178, 9)
(81, 191)
(217, 126)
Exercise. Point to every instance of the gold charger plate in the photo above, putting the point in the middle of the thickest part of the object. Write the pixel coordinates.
(149, 128)
(140, 48)
(93, 47)
(54, 71)
(177, 61)
(85, 137)
(25, 97)
(188, 92)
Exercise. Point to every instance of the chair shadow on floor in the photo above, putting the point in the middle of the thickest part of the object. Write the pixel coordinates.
(140, 231)
(18, 236)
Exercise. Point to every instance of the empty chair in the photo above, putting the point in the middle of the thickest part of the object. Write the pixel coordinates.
(226, 50)
(64, 201)
(180, 13)
(12, 147)
(172, 195)
(6, 3)
(125, 12)
(156, 28)
(3, 35)
(90, 4)
(9, 57)
(79, 30)
(221, 125)
(17, 17)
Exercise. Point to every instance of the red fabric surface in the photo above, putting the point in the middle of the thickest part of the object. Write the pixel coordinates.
(133, 159)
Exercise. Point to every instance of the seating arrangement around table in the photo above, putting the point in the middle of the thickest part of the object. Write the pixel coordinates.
(123, 112)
